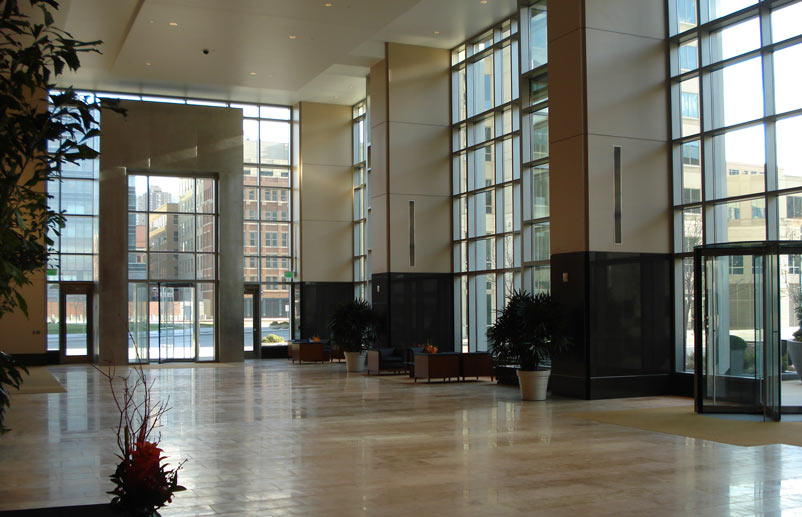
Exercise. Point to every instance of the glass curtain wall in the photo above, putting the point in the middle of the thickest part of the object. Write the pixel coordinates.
(172, 257)
(267, 213)
(266, 177)
(487, 148)
(73, 257)
(361, 160)
(737, 168)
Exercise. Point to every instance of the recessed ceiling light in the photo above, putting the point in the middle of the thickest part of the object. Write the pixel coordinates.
(151, 21)
(147, 63)
(292, 36)
(175, 24)
(328, 4)
(436, 32)
(482, 1)
(253, 73)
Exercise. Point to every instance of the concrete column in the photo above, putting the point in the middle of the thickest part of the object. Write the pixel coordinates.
(325, 211)
(607, 86)
(410, 156)
(110, 303)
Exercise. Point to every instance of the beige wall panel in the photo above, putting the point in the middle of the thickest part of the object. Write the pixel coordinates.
(327, 252)
(326, 134)
(639, 17)
(646, 214)
(626, 85)
(564, 16)
(377, 90)
(378, 156)
(378, 229)
(327, 193)
(172, 137)
(432, 234)
(566, 102)
(567, 193)
(419, 84)
(23, 335)
(419, 159)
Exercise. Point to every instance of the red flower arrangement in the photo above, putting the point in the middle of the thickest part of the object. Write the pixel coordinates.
(143, 482)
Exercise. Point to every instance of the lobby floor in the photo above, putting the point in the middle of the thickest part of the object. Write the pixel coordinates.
(272, 438)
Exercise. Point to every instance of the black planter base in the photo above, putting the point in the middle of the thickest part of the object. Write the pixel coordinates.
(90, 510)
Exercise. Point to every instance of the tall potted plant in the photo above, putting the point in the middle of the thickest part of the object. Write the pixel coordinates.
(527, 332)
(353, 327)
(10, 377)
(39, 129)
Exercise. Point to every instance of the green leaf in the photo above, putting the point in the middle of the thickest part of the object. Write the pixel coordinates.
(23, 305)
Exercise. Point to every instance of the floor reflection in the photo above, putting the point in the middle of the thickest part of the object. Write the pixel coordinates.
(268, 437)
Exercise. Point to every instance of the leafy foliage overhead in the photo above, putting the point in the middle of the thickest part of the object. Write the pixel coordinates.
(36, 137)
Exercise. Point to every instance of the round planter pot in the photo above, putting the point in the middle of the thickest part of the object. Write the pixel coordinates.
(533, 384)
(353, 361)
(795, 351)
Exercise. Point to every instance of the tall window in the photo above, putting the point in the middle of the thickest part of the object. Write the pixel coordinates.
(172, 241)
(267, 212)
(361, 160)
(535, 144)
(74, 255)
(490, 254)
(737, 123)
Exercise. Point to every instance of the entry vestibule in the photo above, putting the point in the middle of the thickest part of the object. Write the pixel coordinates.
(746, 297)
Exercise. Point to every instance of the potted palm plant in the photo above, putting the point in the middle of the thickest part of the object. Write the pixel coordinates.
(528, 332)
(353, 327)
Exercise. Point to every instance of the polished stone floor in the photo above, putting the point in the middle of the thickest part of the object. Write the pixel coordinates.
(272, 438)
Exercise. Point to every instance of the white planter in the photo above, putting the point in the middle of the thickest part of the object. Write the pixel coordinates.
(795, 351)
(354, 361)
(533, 384)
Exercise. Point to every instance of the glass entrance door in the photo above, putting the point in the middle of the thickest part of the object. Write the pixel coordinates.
(748, 306)
(251, 324)
(731, 370)
(177, 326)
(75, 323)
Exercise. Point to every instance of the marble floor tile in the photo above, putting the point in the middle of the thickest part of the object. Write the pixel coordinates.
(271, 438)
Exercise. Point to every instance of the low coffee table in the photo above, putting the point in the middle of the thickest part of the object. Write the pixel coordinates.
(438, 366)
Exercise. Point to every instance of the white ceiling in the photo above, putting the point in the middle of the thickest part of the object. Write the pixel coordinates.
(251, 55)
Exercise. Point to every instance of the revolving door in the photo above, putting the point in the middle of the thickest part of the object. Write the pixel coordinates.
(746, 300)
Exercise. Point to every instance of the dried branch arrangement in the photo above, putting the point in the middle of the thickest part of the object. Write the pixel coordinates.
(143, 481)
